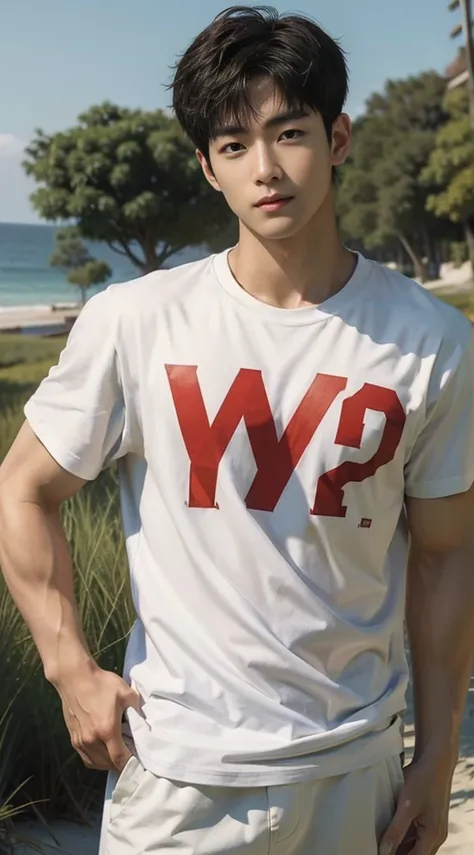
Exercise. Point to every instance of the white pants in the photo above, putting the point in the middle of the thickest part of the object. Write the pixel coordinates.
(344, 815)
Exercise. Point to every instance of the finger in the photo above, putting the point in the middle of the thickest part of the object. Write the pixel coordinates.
(424, 849)
(119, 754)
(95, 758)
(426, 845)
(92, 751)
(398, 828)
(116, 748)
(409, 841)
(101, 765)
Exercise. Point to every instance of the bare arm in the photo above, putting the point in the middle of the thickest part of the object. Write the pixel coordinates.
(440, 622)
(34, 553)
(36, 563)
(440, 618)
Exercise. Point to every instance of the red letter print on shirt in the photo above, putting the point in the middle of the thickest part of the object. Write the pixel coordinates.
(246, 399)
(276, 459)
(330, 489)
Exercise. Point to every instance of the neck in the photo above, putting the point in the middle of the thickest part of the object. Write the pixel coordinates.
(298, 271)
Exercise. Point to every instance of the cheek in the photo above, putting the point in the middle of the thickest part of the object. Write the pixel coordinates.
(314, 165)
(314, 177)
(232, 183)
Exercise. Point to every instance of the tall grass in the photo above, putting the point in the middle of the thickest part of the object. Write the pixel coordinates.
(29, 350)
(37, 762)
(38, 747)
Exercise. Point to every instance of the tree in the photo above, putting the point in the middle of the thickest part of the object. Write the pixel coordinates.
(129, 178)
(450, 170)
(72, 254)
(381, 198)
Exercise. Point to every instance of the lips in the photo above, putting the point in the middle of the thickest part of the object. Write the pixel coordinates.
(273, 200)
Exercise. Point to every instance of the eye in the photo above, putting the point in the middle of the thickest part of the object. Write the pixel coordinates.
(232, 148)
(294, 134)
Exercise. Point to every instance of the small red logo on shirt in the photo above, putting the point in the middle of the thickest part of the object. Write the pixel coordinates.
(365, 523)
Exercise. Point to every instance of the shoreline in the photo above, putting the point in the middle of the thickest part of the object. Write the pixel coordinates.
(47, 319)
(37, 307)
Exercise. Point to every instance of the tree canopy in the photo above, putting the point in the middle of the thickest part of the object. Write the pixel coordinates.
(129, 178)
(450, 169)
(381, 198)
(71, 254)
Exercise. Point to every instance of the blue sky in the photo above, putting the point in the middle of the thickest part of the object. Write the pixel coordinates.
(57, 57)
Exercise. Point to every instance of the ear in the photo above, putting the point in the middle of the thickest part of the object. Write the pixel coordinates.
(341, 140)
(207, 170)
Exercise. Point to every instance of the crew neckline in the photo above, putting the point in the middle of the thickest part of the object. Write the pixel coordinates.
(291, 317)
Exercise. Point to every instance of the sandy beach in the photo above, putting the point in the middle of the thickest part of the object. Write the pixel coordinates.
(78, 840)
(38, 319)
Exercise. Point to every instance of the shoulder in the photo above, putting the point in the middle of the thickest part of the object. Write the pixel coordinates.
(418, 313)
(127, 309)
(149, 292)
(159, 288)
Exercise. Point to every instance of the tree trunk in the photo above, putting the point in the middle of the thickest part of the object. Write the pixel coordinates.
(83, 295)
(420, 268)
(127, 252)
(148, 244)
(400, 257)
(430, 253)
(469, 233)
(152, 263)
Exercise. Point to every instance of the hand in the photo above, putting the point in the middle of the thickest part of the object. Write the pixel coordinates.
(93, 703)
(420, 824)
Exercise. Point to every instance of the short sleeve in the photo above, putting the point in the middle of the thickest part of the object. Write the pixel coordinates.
(78, 412)
(442, 460)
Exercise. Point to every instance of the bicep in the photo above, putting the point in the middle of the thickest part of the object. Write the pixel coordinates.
(30, 472)
(441, 524)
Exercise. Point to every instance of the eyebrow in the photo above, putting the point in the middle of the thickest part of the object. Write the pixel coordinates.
(280, 119)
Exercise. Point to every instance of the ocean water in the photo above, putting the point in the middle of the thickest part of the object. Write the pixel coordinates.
(27, 279)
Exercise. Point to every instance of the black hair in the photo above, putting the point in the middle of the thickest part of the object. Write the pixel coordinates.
(211, 81)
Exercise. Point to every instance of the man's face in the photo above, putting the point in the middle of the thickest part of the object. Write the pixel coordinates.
(278, 154)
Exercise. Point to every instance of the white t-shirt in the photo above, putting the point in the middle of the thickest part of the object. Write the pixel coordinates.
(264, 458)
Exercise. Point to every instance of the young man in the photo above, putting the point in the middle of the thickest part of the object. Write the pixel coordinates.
(285, 414)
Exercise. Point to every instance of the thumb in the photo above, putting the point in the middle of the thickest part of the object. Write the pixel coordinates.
(398, 828)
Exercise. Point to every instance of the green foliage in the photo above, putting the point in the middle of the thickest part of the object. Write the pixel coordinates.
(24, 361)
(381, 198)
(130, 178)
(93, 272)
(464, 300)
(72, 254)
(451, 165)
(71, 251)
(28, 350)
(459, 253)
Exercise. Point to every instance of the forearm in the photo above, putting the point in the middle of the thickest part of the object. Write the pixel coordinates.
(36, 563)
(440, 622)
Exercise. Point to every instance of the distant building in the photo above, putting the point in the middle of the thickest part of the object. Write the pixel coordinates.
(456, 73)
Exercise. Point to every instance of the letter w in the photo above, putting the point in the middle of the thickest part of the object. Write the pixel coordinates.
(246, 399)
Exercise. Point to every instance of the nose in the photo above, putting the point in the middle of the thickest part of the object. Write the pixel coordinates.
(267, 168)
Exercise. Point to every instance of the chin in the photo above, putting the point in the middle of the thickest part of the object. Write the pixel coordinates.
(281, 226)
(279, 230)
